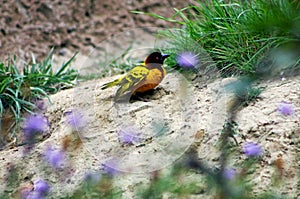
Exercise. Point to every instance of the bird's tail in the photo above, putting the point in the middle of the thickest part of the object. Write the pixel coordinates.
(110, 84)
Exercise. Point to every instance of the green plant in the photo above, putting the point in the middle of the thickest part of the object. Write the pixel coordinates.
(236, 34)
(18, 88)
(175, 182)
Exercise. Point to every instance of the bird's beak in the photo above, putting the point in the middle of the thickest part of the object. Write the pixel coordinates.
(164, 56)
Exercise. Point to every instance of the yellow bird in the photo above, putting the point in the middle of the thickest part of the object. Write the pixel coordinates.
(141, 78)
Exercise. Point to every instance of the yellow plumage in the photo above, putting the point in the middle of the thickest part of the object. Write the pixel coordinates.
(141, 78)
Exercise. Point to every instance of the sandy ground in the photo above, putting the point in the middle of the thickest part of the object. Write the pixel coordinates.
(166, 125)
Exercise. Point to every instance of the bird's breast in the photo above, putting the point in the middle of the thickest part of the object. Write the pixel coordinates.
(154, 77)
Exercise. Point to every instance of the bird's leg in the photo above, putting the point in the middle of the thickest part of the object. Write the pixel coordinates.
(138, 97)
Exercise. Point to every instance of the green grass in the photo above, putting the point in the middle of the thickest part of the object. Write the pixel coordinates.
(19, 88)
(236, 34)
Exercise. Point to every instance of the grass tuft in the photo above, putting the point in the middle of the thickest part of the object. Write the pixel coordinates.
(236, 34)
(19, 88)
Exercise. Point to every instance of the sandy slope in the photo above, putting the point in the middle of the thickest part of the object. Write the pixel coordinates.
(166, 124)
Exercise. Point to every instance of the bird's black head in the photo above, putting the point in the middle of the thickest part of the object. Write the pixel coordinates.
(156, 58)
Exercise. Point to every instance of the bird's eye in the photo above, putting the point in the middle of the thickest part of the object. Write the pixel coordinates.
(156, 58)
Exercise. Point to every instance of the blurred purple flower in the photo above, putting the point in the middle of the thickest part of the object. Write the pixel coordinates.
(55, 157)
(187, 60)
(129, 135)
(110, 167)
(285, 108)
(35, 195)
(41, 186)
(229, 173)
(25, 191)
(92, 177)
(252, 149)
(35, 124)
(75, 120)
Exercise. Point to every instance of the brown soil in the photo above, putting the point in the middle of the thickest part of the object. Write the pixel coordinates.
(30, 26)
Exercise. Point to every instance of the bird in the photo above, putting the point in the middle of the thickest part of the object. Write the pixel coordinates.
(143, 77)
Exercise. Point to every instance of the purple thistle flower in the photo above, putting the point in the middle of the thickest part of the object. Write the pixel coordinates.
(35, 124)
(110, 167)
(187, 60)
(41, 186)
(229, 173)
(75, 120)
(55, 157)
(285, 108)
(129, 135)
(251, 149)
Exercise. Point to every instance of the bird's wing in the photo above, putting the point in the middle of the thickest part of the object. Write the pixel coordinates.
(132, 80)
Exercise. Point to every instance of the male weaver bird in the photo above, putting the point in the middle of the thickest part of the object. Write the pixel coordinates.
(141, 78)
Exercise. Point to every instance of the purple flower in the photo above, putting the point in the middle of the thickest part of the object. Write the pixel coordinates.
(110, 167)
(35, 195)
(92, 177)
(25, 191)
(41, 186)
(187, 60)
(75, 120)
(35, 124)
(286, 108)
(252, 149)
(229, 173)
(129, 135)
(55, 157)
